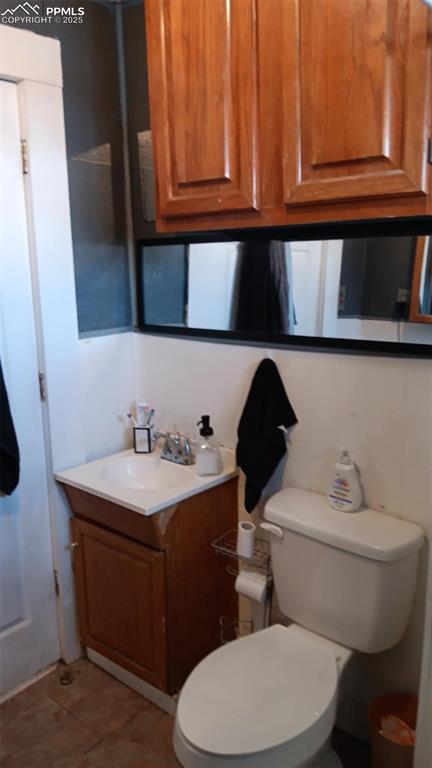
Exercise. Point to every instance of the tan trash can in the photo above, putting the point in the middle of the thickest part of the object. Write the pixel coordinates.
(387, 753)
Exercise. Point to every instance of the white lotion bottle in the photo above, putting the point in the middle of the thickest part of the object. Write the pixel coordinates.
(208, 456)
(345, 493)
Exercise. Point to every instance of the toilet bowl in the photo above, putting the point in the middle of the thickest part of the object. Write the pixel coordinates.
(265, 701)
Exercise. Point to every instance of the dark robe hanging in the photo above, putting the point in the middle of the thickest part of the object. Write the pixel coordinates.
(9, 451)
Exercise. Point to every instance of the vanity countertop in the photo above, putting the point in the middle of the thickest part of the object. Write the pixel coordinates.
(144, 483)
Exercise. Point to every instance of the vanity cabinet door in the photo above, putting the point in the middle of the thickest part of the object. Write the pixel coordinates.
(121, 600)
(202, 63)
(356, 99)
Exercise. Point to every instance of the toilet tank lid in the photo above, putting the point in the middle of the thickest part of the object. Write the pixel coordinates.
(368, 533)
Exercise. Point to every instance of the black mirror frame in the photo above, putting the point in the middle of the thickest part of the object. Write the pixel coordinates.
(417, 226)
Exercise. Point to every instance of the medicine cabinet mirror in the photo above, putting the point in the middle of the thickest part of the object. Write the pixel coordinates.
(421, 294)
(353, 293)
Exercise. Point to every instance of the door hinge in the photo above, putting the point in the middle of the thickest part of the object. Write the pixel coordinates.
(56, 583)
(42, 387)
(429, 151)
(24, 156)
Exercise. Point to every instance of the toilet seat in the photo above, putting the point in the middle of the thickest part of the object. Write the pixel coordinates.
(274, 689)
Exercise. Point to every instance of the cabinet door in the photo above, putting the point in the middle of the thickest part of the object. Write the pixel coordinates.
(121, 600)
(202, 59)
(356, 99)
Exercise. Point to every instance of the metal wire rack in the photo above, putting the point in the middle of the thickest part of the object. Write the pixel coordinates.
(232, 630)
(260, 561)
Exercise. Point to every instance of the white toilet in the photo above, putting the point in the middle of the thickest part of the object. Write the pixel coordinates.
(269, 700)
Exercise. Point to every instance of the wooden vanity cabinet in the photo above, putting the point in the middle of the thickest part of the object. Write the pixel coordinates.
(121, 600)
(151, 590)
(278, 112)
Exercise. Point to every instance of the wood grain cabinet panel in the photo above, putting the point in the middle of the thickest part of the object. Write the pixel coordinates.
(121, 600)
(151, 591)
(281, 112)
(356, 89)
(202, 60)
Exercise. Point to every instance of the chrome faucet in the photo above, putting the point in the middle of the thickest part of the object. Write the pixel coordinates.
(176, 447)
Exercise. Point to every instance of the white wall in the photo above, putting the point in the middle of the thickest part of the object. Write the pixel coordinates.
(381, 408)
(107, 393)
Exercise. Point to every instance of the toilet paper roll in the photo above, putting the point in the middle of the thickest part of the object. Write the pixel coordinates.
(251, 584)
(245, 539)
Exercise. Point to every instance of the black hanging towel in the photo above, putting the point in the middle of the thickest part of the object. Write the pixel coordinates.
(261, 444)
(9, 452)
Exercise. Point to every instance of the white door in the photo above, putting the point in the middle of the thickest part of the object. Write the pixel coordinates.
(28, 619)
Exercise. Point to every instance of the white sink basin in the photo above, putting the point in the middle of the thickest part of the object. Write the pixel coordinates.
(145, 483)
(153, 474)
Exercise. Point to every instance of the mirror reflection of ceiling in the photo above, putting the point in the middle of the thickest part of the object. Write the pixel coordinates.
(345, 289)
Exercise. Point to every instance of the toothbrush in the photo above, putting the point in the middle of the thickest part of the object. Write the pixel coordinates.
(149, 417)
(132, 419)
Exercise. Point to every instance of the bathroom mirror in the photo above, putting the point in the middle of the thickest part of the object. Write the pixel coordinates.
(421, 293)
(346, 292)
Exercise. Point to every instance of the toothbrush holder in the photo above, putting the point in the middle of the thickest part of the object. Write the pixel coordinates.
(144, 440)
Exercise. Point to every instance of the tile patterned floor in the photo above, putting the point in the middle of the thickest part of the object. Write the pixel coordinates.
(96, 722)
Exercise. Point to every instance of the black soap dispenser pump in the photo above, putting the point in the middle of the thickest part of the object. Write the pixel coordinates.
(208, 457)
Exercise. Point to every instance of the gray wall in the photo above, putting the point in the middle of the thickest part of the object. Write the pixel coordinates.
(95, 163)
(143, 193)
(373, 271)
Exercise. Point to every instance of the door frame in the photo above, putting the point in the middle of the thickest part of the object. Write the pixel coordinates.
(33, 62)
(423, 748)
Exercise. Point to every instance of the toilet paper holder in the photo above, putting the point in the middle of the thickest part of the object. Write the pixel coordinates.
(226, 545)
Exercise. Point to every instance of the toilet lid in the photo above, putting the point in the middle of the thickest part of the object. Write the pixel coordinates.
(258, 692)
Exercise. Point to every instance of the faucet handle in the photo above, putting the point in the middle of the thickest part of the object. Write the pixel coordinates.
(187, 446)
(172, 442)
(176, 437)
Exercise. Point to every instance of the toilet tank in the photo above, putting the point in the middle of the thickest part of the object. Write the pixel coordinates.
(350, 576)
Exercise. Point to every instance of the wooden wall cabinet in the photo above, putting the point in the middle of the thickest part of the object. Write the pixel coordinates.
(202, 60)
(355, 99)
(151, 590)
(277, 112)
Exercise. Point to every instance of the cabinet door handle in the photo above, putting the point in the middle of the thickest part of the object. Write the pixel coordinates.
(74, 544)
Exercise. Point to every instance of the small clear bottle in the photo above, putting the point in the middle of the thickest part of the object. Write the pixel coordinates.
(208, 457)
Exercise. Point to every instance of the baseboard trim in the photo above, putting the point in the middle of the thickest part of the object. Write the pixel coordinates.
(22, 686)
(159, 698)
